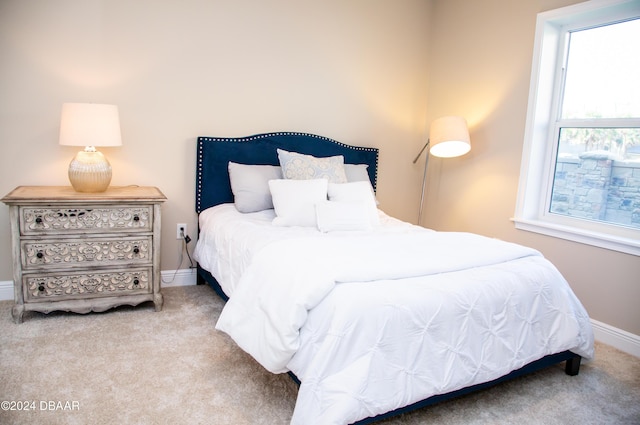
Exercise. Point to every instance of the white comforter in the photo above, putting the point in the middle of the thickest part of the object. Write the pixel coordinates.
(372, 321)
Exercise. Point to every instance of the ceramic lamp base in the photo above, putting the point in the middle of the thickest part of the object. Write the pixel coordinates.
(90, 172)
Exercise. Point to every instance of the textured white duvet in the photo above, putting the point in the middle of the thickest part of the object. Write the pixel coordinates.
(373, 321)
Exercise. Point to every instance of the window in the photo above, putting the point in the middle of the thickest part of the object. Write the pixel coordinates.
(580, 177)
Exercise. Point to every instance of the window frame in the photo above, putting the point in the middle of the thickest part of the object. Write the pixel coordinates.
(543, 126)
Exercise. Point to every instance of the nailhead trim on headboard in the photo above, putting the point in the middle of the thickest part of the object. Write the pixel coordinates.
(203, 140)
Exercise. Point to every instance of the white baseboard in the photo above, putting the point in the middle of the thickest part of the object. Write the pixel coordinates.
(6, 290)
(617, 338)
(181, 277)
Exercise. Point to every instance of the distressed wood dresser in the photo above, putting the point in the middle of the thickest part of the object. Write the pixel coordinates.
(84, 252)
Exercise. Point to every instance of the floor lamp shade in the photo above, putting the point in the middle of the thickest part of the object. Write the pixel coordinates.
(449, 137)
(90, 125)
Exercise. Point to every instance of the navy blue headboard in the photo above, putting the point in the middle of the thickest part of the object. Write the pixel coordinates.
(215, 153)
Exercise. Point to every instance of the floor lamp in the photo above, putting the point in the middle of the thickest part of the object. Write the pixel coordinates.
(448, 138)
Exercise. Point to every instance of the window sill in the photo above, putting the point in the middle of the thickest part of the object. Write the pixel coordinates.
(614, 243)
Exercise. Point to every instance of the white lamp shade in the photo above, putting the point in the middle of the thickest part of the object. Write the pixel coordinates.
(90, 124)
(449, 137)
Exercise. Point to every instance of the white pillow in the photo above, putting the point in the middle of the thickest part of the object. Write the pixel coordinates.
(299, 166)
(356, 191)
(334, 216)
(250, 186)
(295, 201)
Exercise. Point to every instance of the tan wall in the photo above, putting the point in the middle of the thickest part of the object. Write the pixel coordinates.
(351, 70)
(354, 70)
(480, 68)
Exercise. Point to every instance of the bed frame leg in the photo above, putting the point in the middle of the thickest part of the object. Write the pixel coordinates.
(199, 279)
(572, 368)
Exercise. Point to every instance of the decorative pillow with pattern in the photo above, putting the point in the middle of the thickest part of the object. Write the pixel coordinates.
(297, 166)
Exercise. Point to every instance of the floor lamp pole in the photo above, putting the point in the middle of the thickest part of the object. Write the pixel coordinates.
(424, 178)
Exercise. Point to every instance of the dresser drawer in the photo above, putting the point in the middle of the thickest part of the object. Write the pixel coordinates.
(79, 220)
(58, 253)
(101, 283)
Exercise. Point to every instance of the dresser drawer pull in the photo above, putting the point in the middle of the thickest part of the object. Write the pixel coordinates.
(136, 250)
(39, 219)
(136, 217)
(40, 254)
(41, 288)
(136, 282)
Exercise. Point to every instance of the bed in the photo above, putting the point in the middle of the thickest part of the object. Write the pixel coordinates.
(372, 316)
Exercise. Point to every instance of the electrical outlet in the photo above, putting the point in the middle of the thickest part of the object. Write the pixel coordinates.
(181, 228)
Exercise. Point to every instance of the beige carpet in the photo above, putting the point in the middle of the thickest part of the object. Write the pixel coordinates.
(136, 366)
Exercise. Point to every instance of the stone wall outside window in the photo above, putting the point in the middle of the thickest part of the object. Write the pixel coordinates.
(596, 187)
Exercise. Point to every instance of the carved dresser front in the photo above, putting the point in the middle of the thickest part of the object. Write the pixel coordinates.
(84, 252)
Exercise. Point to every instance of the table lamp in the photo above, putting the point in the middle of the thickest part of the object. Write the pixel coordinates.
(90, 125)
